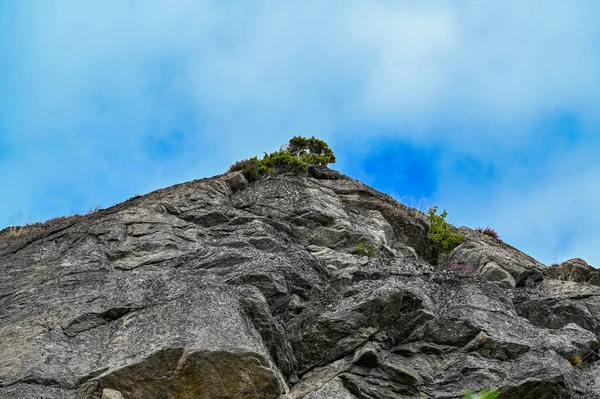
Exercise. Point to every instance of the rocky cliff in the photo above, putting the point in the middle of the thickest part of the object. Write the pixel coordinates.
(220, 288)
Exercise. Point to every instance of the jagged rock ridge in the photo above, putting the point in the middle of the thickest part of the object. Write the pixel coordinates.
(218, 288)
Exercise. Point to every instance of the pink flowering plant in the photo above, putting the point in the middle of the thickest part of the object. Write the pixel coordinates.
(454, 266)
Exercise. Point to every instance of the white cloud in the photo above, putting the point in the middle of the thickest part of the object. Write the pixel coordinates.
(473, 76)
(422, 64)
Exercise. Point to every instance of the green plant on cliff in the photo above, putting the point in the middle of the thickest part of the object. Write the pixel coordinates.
(441, 236)
(369, 250)
(485, 394)
(361, 249)
(294, 158)
(310, 150)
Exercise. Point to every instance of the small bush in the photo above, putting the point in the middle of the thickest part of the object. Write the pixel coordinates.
(489, 232)
(294, 159)
(576, 360)
(284, 162)
(441, 237)
(252, 169)
(368, 251)
(361, 249)
(312, 151)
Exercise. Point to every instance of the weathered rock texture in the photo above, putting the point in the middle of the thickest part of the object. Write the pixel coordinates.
(222, 289)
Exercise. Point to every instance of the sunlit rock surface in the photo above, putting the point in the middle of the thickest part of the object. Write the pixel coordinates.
(222, 289)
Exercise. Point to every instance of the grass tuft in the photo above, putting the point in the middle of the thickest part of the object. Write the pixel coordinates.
(576, 360)
(16, 231)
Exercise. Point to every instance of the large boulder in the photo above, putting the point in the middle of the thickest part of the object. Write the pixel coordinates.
(576, 270)
(486, 255)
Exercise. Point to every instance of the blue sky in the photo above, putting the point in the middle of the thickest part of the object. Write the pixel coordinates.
(487, 109)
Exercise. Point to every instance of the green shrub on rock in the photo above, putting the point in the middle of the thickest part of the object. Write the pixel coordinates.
(361, 249)
(368, 251)
(284, 162)
(250, 168)
(312, 151)
(441, 236)
(295, 158)
(485, 394)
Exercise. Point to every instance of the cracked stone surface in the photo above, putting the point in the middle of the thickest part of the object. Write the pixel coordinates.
(218, 288)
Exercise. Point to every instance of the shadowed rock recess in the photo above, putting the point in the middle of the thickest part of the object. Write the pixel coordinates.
(223, 289)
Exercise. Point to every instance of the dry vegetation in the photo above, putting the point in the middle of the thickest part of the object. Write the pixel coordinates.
(419, 207)
(16, 231)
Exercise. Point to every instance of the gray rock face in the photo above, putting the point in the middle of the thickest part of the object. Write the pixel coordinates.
(576, 270)
(222, 289)
(494, 273)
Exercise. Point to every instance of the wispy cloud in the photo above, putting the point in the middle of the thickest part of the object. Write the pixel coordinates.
(488, 108)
